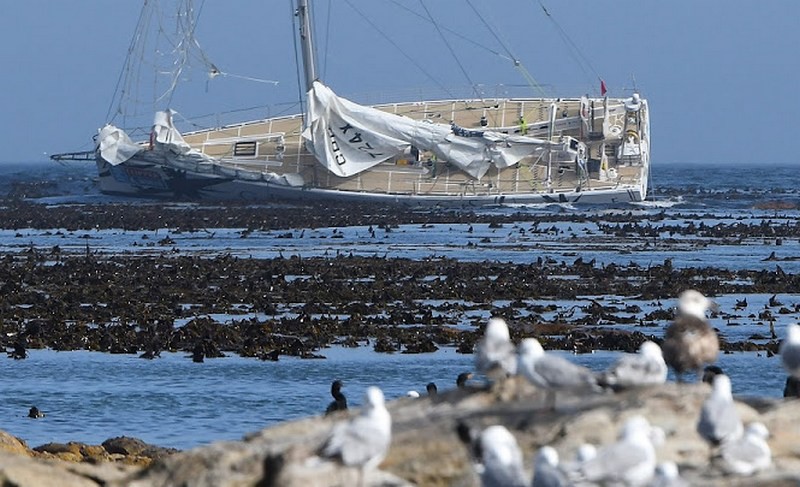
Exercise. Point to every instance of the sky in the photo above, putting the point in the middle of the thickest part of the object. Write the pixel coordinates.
(721, 76)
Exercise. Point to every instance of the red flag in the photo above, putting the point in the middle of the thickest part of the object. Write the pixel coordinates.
(603, 89)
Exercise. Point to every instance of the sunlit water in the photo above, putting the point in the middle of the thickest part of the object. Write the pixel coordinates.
(171, 401)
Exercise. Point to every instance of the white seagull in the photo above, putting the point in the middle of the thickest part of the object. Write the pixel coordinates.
(790, 350)
(494, 353)
(363, 440)
(501, 459)
(667, 475)
(645, 368)
(546, 470)
(630, 462)
(551, 372)
(719, 420)
(749, 453)
(690, 342)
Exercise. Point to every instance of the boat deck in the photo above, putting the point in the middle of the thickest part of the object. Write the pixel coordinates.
(275, 146)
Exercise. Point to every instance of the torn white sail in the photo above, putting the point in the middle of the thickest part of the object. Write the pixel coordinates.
(115, 146)
(348, 138)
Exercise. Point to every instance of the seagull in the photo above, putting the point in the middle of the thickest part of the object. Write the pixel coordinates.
(412, 394)
(494, 353)
(551, 372)
(631, 461)
(546, 471)
(339, 402)
(363, 440)
(690, 342)
(634, 370)
(749, 453)
(667, 475)
(719, 420)
(790, 350)
(501, 459)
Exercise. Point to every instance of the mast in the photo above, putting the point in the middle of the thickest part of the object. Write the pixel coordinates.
(309, 61)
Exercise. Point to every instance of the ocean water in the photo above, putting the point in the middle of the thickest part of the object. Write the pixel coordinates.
(174, 402)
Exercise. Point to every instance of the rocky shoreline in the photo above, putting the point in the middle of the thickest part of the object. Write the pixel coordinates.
(425, 448)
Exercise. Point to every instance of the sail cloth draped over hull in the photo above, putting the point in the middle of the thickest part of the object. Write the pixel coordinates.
(348, 138)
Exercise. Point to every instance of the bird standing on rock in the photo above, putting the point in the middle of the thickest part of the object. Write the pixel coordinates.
(790, 350)
(749, 453)
(501, 459)
(645, 368)
(551, 372)
(495, 355)
(719, 420)
(364, 440)
(690, 342)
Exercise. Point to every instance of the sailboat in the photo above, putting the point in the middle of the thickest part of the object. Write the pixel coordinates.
(444, 152)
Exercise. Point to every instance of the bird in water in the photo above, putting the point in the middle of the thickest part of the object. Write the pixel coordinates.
(690, 342)
(339, 402)
(432, 389)
(463, 377)
(34, 413)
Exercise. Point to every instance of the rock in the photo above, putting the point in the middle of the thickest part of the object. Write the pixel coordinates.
(12, 444)
(425, 448)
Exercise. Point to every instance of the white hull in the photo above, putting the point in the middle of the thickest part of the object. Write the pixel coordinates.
(268, 160)
(154, 182)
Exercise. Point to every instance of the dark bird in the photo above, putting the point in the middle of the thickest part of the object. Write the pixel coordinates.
(432, 389)
(690, 342)
(34, 413)
(462, 379)
(792, 387)
(773, 301)
(339, 402)
(710, 372)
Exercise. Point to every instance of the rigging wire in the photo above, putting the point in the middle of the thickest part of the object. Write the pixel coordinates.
(126, 64)
(575, 52)
(454, 32)
(396, 46)
(517, 63)
(452, 52)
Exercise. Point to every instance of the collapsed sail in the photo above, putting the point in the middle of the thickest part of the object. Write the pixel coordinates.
(348, 138)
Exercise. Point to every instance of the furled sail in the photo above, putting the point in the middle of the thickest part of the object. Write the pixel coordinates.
(348, 138)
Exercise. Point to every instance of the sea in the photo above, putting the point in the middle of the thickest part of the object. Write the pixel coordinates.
(173, 402)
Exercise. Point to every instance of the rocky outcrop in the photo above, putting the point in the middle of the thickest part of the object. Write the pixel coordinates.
(426, 450)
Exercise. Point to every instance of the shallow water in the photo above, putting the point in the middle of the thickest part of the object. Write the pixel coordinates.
(174, 402)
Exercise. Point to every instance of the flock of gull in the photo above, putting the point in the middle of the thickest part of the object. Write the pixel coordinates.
(689, 344)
